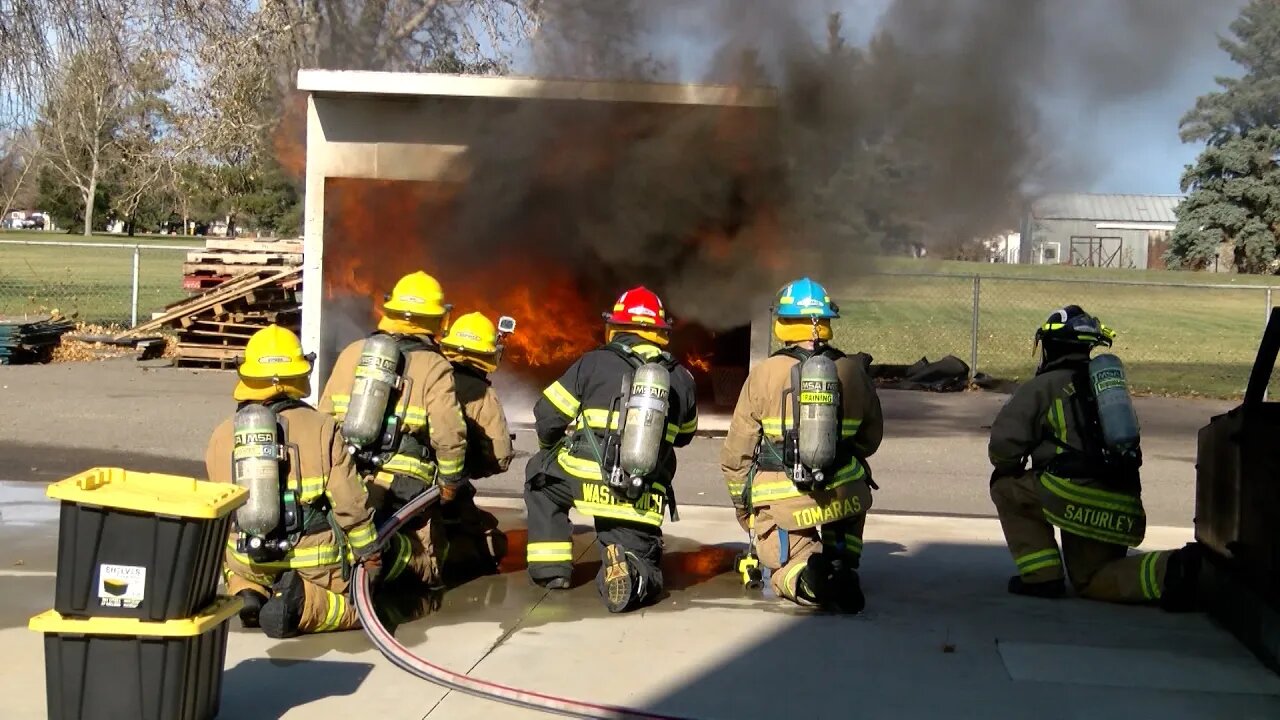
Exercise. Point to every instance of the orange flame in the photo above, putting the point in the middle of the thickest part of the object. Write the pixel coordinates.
(700, 363)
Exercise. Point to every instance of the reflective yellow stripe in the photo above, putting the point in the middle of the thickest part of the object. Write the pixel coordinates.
(577, 467)
(606, 420)
(618, 512)
(853, 544)
(562, 399)
(362, 536)
(735, 487)
(691, 426)
(549, 552)
(312, 557)
(335, 608)
(849, 428)
(1039, 560)
(450, 467)
(406, 465)
(783, 489)
(340, 404)
(1150, 587)
(772, 427)
(1058, 421)
(404, 551)
(312, 489)
(1091, 497)
(790, 581)
(415, 418)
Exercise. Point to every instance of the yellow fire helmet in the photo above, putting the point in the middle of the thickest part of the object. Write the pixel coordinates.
(273, 363)
(472, 339)
(416, 294)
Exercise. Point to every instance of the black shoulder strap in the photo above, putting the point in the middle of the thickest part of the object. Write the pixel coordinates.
(792, 351)
(625, 352)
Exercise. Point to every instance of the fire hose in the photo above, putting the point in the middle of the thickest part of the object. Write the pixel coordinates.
(403, 658)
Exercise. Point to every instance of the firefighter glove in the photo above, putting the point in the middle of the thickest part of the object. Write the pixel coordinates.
(372, 566)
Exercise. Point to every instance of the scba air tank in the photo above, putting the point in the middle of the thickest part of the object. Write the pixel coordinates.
(1116, 414)
(646, 420)
(255, 466)
(375, 379)
(818, 422)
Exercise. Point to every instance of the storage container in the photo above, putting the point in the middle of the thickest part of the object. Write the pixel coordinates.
(114, 668)
(140, 545)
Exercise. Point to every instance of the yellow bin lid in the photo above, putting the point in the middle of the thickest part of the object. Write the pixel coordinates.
(150, 493)
(51, 621)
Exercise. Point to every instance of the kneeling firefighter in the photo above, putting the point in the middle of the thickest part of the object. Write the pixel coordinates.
(1076, 423)
(607, 432)
(795, 457)
(393, 394)
(473, 346)
(308, 516)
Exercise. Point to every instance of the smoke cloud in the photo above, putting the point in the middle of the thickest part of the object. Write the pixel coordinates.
(928, 136)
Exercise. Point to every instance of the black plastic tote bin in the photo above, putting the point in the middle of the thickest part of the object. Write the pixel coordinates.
(117, 668)
(140, 545)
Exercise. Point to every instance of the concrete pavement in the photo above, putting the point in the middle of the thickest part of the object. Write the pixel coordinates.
(60, 419)
(940, 638)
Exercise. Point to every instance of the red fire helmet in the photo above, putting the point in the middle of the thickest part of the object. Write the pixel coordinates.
(638, 306)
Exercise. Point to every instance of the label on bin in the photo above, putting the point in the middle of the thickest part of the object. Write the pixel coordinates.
(121, 585)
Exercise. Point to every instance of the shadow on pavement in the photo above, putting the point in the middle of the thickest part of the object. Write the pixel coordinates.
(263, 689)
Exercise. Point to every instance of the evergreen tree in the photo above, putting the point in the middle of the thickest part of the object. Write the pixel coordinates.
(1234, 186)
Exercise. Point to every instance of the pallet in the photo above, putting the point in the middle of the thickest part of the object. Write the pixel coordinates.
(235, 289)
(190, 268)
(283, 246)
(243, 258)
(208, 351)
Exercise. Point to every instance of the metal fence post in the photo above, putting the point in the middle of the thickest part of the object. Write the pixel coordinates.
(973, 347)
(133, 305)
(1267, 318)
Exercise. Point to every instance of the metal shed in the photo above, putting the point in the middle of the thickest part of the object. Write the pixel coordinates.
(1099, 230)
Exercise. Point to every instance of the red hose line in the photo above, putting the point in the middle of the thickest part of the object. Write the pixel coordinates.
(403, 658)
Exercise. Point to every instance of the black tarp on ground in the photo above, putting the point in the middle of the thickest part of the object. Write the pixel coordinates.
(950, 374)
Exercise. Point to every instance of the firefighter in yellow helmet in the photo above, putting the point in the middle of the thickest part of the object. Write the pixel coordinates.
(393, 395)
(472, 346)
(1083, 479)
(795, 457)
(291, 568)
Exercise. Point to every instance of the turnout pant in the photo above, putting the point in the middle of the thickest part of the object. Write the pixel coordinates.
(1097, 570)
(475, 545)
(786, 552)
(326, 607)
(550, 549)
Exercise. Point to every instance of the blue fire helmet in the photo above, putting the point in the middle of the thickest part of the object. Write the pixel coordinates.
(805, 298)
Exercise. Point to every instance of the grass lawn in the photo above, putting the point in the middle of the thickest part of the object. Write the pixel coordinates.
(94, 282)
(1198, 339)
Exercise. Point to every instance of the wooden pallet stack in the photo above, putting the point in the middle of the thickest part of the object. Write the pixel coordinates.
(31, 341)
(225, 258)
(214, 326)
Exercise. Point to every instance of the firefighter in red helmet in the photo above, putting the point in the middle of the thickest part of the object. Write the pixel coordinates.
(607, 433)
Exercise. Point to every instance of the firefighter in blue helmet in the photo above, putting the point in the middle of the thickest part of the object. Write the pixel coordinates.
(795, 458)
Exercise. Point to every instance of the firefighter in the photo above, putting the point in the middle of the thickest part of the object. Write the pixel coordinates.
(1079, 480)
(472, 347)
(620, 473)
(805, 510)
(291, 457)
(393, 396)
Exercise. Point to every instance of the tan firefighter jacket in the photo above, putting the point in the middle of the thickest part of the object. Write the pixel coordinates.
(1040, 419)
(327, 479)
(489, 448)
(435, 434)
(756, 432)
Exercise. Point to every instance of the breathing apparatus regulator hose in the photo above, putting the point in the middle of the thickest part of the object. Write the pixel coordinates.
(403, 658)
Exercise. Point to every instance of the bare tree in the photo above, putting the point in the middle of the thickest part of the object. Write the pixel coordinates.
(19, 155)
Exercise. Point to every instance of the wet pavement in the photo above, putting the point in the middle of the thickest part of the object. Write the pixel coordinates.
(940, 638)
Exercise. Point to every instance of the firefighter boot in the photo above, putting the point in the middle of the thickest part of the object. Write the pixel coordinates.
(1181, 592)
(847, 588)
(1049, 589)
(622, 585)
(253, 601)
(815, 585)
(281, 614)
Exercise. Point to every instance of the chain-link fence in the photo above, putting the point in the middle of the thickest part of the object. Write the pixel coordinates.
(1176, 339)
(96, 282)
